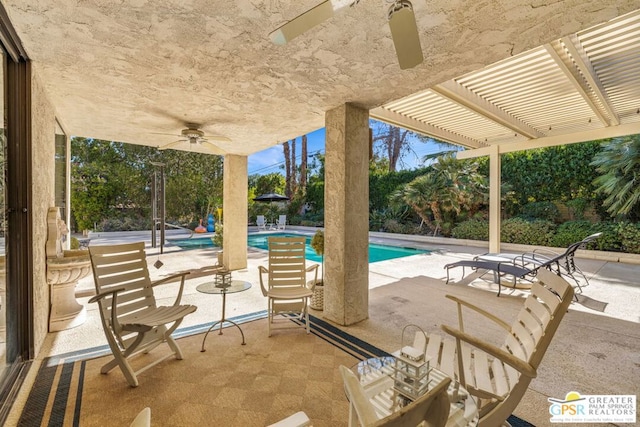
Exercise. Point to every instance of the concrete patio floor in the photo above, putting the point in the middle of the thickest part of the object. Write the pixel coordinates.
(592, 353)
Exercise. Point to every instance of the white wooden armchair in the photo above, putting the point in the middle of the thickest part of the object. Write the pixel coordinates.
(286, 288)
(499, 376)
(431, 409)
(132, 321)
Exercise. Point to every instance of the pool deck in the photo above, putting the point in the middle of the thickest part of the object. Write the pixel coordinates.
(594, 352)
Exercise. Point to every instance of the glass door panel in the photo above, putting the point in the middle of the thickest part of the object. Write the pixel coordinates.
(3, 220)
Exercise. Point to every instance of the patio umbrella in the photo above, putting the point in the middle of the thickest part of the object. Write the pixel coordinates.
(271, 197)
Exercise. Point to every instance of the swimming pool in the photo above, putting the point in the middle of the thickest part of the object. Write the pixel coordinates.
(376, 252)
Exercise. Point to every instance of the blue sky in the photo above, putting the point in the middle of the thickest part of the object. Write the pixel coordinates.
(272, 159)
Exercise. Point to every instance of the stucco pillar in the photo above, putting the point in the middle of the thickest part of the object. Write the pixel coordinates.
(235, 211)
(346, 215)
(494, 199)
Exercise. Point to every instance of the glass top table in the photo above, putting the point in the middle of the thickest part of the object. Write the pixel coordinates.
(211, 288)
(377, 370)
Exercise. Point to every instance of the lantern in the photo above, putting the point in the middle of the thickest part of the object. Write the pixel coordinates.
(222, 279)
(411, 369)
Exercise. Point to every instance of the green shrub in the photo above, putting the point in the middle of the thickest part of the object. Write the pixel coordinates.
(519, 230)
(474, 229)
(124, 224)
(312, 219)
(317, 242)
(294, 220)
(610, 239)
(577, 208)
(389, 218)
(571, 232)
(75, 243)
(541, 210)
(630, 237)
(395, 226)
(218, 238)
(376, 220)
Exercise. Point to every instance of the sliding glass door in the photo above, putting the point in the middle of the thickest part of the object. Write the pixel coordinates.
(4, 232)
(16, 254)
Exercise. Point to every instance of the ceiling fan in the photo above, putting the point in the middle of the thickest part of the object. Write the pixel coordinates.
(402, 22)
(194, 136)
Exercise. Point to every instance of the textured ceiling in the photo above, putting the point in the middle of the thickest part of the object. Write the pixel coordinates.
(132, 70)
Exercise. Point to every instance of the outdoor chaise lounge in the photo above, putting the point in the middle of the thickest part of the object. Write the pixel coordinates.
(563, 264)
(499, 267)
(525, 266)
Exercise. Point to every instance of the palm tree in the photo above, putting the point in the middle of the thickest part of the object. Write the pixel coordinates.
(619, 164)
(421, 196)
(449, 187)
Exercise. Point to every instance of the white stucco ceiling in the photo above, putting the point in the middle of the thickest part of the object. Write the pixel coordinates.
(132, 70)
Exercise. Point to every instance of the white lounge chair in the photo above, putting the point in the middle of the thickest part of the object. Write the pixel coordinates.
(282, 222)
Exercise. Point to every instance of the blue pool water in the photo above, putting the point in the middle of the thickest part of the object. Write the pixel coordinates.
(376, 252)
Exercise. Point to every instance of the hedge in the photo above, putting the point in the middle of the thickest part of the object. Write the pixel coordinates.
(616, 236)
(472, 229)
(518, 230)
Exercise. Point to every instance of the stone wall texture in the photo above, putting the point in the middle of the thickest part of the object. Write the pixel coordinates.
(43, 196)
(346, 207)
(235, 211)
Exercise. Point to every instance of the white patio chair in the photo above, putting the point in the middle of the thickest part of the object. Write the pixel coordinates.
(286, 287)
(299, 419)
(431, 409)
(132, 321)
(143, 419)
(281, 223)
(499, 376)
(261, 222)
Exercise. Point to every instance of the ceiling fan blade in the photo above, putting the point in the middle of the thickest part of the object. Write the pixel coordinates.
(212, 148)
(215, 138)
(404, 32)
(171, 144)
(165, 134)
(308, 20)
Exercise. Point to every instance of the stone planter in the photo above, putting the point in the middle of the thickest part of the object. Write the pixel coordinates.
(63, 275)
(64, 269)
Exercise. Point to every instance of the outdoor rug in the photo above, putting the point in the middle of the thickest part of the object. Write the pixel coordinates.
(259, 383)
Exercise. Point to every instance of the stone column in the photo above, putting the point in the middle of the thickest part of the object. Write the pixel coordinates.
(235, 212)
(346, 215)
(494, 200)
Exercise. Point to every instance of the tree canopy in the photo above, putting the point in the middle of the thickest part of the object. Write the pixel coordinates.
(111, 180)
(619, 166)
